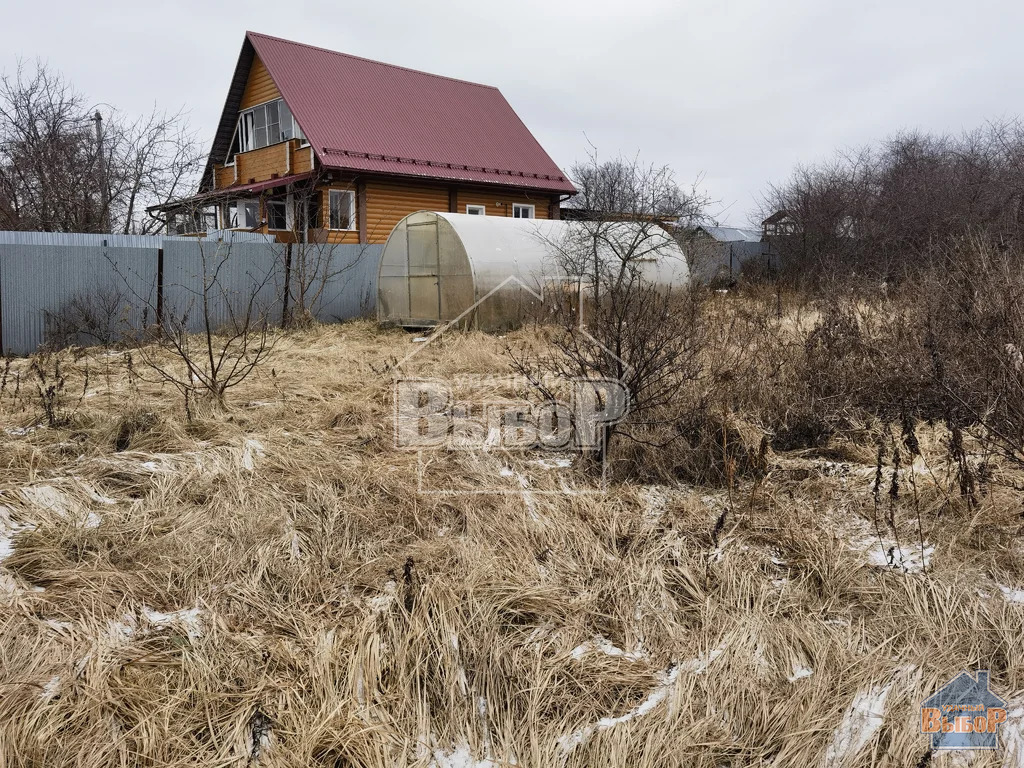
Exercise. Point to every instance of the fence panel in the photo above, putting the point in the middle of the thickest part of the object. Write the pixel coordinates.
(73, 293)
(348, 276)
(92, 289)
(240, 277)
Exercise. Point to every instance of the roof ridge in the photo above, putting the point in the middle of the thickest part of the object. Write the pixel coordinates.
(250, 33)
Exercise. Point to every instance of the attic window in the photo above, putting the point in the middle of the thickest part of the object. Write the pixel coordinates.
(263, 125)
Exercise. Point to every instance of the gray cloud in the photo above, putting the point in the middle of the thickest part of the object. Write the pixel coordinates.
(737, 91)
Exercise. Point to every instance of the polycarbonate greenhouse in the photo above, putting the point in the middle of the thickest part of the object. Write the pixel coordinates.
(487, 271)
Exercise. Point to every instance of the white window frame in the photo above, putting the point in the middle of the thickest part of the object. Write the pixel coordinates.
(242, 135)
(353, 226)
(517, 206)
(476, 210)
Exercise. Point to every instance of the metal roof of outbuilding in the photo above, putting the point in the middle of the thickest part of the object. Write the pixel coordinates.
(734, 234)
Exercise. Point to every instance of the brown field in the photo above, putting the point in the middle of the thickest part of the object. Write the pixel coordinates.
(265, 586)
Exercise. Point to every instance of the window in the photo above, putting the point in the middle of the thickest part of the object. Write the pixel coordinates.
(476, 210)
(243, 214)
(277, 214)
(520, 211)
(342, 204)
(262, 126)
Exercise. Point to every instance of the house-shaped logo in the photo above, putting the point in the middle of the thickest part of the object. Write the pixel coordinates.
(964, 714)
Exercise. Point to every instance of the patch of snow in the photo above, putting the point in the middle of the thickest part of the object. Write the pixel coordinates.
(1013, 735)
(92, 520)
(250, 451)
(909, 558)
(655, 698)
(21, 431)
(700, 664)
(51, 689)
(885, 552)
(601, 644)
(459, 757)
(799, 673)
(188, 619)
(46, 497)
(860, 723)
(420, 339)
(8, 530)
(120, 632)
(506, 472)
(1010, 595)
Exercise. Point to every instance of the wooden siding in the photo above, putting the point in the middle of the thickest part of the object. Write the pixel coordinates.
(260, 87)
(498, 202)
(387, 203)
(262, 164)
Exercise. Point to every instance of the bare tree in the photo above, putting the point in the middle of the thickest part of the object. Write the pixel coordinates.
(64, 170)
(318, 269)
(636, 327)
(880, 211)
(221, 331)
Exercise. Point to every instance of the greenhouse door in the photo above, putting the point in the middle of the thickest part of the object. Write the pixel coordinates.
(424, 272)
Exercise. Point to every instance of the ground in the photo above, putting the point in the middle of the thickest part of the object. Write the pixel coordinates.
(265, 586)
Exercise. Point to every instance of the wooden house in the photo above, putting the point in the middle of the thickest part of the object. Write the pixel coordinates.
(319, 146)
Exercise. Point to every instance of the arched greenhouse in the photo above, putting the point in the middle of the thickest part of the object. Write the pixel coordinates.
(487, 271)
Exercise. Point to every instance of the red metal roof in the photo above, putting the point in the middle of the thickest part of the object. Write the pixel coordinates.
(363, 115)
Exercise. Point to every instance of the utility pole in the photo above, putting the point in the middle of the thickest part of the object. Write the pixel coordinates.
(101, 166)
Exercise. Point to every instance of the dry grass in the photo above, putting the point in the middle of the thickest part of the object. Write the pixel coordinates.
(265, 586)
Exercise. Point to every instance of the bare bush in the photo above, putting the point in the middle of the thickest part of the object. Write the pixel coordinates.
(96, 317)
(619, 324)
(222, 332)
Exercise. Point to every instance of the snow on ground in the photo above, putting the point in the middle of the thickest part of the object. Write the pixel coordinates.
(1009, 594)
(600, 644)
(1012, 737)
(188, 620)
(860, 723)
(666, 680)
(885, 551)
(700, 664)
(51, 689)
(799, 672)
(581, 736)
(459, 757)
(251, 450)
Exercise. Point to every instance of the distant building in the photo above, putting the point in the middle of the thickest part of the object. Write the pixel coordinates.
(717, 254)
(778, 224)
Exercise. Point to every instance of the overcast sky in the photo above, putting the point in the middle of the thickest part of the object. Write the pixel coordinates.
(738, 92)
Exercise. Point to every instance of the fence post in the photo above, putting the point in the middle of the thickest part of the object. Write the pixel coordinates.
(160, 290)
(287, 284)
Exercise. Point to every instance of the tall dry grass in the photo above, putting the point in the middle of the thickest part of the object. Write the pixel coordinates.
(265, 585)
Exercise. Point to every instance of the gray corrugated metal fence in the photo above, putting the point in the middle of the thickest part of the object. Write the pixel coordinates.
(89, 289)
